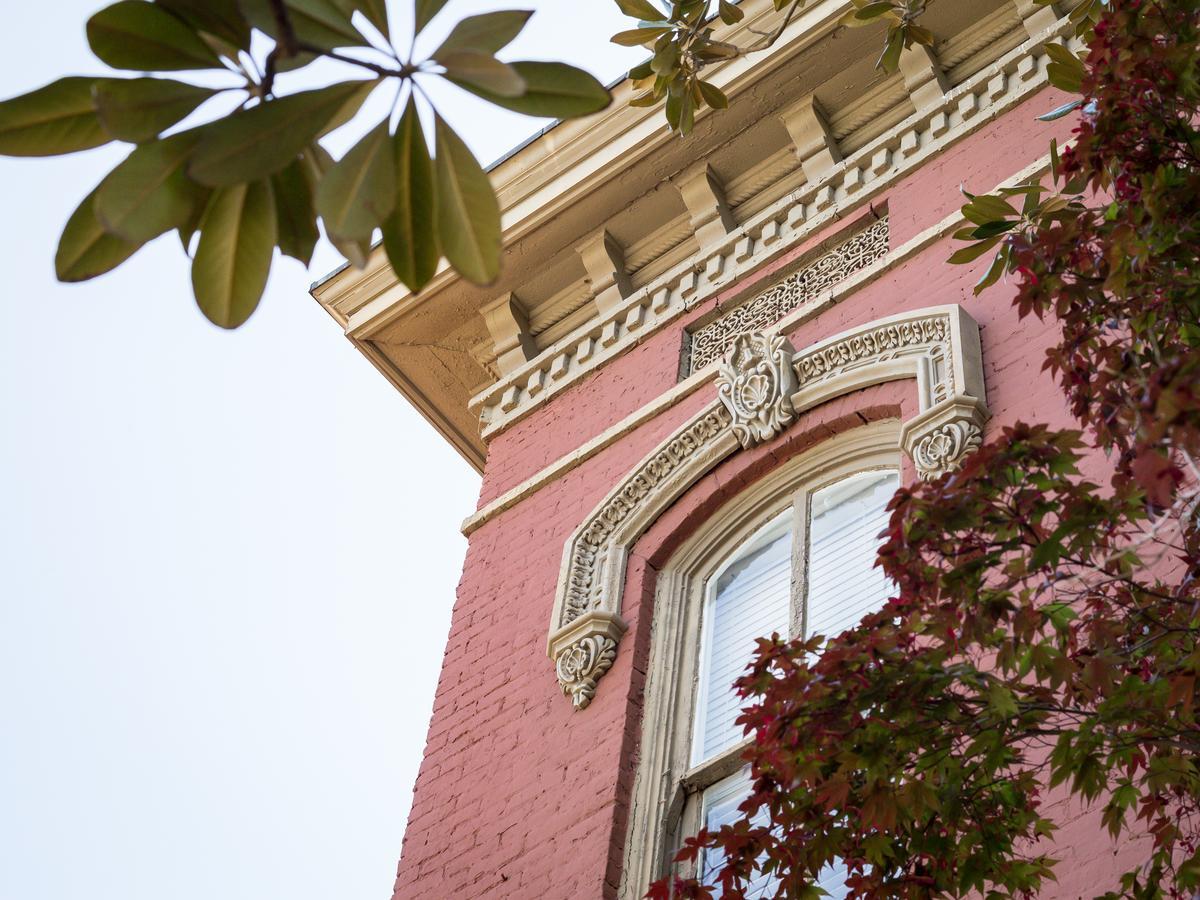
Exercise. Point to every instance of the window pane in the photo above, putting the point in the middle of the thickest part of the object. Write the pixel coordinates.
(720, 807)
(843, 582)
(749, 599)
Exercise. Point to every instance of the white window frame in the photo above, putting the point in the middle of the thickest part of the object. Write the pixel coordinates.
(669, 782)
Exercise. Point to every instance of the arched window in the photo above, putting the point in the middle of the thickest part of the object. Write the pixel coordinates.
(793, 555)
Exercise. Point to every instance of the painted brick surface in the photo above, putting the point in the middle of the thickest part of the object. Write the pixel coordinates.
(520, 797)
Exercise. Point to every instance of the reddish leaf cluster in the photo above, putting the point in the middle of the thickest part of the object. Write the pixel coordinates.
(1042, 642)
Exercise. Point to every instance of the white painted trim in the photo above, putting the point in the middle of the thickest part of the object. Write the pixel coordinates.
(699, 379)
(862, 176)
(762, 385)
(661, 808)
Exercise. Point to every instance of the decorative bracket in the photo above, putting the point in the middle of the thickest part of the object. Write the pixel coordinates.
(939, 439)
(762, 387)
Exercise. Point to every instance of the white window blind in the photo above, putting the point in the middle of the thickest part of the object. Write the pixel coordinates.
(721, 802)
(750, 598)
(843, 583)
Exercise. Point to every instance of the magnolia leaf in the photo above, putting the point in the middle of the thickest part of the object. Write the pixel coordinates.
(424, 11)
(85, 249)
(316, 161)
(375, 12)
(866, 14)
(992, 275)
(636, 37)
(58, 118)
(713, 95)
(483, 71)
(986, 208)
(484, 33)
(642, 9)
(138, 109)
(889, 60)
(219, 18)
(729, 13)
(410, 232)
(233, 258)
(349, 109)
(149, 193)
(259, 141)
(973, 252)
(295, 217)
(552, 90)
(468, 215)
(323, 23)
(357, 194)
(144, 37)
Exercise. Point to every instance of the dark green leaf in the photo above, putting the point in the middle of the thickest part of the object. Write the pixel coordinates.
(553, 90)
(484, 33)
(138, 109)
(322, 23)
(349, 109)
(295, 217)
(316, 162)
(640, 9)
(144, 37)
(149, 193)
(889, 60)
(729, 13)
(636, 37)
(375, 12)
(484, 71)
(257, 142)
(233, 258)
(713, 95)
(357, 194)
(220, 18)
(85, 249)
(973, 252)
(986, 208)
(468, 215)
(424, 10)
(410, 233)
(57, 118)
(992, 275)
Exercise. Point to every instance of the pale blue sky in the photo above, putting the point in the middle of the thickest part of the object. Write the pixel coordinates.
(227, 560)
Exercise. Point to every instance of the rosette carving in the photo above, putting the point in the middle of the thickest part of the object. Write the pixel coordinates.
(755, 384)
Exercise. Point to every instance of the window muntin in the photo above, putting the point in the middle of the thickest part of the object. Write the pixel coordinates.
(752, 595)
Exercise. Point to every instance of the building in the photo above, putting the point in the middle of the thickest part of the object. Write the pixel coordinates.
(707, 363)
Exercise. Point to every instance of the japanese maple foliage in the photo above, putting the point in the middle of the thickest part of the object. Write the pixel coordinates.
(1042, 641)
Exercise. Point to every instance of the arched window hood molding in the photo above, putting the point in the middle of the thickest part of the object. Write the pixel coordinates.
(762, 387)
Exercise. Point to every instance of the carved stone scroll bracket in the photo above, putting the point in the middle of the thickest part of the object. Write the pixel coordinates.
(583, 651)
(756, 383)
(939, 439)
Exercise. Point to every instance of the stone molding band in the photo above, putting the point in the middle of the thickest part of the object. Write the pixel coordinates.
(763, 386)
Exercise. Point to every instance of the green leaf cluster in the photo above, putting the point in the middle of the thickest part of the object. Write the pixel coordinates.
(238, 185)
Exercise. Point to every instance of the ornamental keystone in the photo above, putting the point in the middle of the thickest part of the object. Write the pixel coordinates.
(756, 383)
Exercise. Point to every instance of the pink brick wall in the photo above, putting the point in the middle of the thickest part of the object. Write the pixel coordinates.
(518, 796)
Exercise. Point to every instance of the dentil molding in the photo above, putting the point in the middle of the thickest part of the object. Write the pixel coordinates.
(763, 386)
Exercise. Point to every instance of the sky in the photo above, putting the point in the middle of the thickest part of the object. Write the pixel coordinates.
(227, 560)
